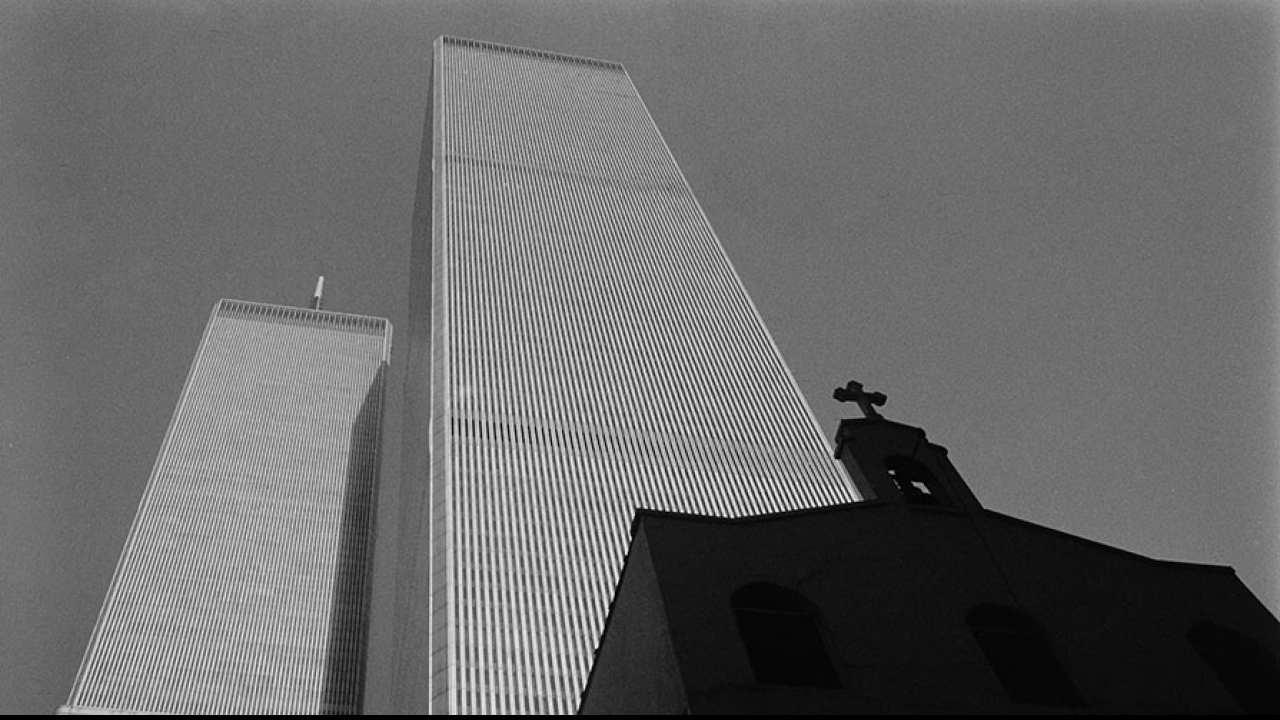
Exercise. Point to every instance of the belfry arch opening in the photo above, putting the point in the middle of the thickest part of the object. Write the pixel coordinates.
(916, 482)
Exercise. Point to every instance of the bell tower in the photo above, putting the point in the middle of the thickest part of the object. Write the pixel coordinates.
(896, 463)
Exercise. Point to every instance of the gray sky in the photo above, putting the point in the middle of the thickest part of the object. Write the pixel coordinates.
(1047, 230)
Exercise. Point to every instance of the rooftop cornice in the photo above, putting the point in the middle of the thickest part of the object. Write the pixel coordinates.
(485, 45)
(285, 313)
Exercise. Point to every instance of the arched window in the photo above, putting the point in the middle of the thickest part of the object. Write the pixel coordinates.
(915, 481)
(780, 631)
(1245, 668)
(1018, 650)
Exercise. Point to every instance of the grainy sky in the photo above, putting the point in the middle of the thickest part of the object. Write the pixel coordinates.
(1047, 230)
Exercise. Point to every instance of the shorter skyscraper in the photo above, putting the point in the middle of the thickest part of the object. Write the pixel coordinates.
(244, 584)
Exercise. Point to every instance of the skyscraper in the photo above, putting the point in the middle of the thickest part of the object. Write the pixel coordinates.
(579, 347)
(244, 584)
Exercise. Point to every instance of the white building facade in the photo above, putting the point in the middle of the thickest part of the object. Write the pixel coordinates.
(245, 582)
(580, 346)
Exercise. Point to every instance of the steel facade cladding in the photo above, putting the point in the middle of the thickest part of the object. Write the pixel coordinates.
(244, 583)
(579, 347)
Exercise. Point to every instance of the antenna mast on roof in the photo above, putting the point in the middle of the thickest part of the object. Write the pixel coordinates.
(315, 299)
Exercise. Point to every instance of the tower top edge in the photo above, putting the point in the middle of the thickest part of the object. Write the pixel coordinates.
(269, 311)
(533, 52)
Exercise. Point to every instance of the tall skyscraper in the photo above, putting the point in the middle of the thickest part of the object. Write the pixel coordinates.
(579, 347)
(244, 584)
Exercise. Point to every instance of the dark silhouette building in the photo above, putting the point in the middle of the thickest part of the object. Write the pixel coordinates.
(919, 600)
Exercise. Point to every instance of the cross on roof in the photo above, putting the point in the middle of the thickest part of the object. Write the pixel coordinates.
(866, 401)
